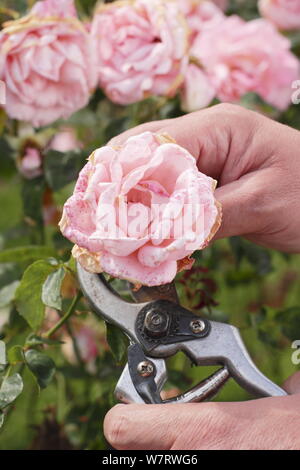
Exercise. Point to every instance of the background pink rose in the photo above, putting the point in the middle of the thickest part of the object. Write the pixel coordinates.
(198, 90)
(65, 140)
(147, 170)
(200, 14)
(241, 57)
(47, 64)
(283, 13)
(223, 4)
(141, 49)
(30, 165)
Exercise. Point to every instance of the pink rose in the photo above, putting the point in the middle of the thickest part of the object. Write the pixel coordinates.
(197, 91)
(241, 57)
(139, 211)
(200, 14)
(46, 62)
(285, 14)
(87, 343)
(223, 4)
(30, 165)
(141, 48)
(65, 141)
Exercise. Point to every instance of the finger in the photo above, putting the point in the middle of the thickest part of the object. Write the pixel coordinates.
(201, 133)
(210, 136)
(151, 427)
(292, 384)
(154, 126)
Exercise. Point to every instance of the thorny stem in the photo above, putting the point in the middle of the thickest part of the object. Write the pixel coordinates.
(75, 344)
(65, 317)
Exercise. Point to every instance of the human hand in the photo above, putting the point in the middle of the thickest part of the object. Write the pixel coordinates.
(267, 423)
(257, 164)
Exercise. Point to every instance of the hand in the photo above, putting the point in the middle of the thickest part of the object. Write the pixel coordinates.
(267, 423)
(257, 164)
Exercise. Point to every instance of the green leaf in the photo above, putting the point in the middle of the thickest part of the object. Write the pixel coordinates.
(15, 355)
(62, 168)
(7, 293)
(117, 341)
(10, 389)
(41, 366)
(34, 340)
(27, 254)
(71, 265)
(289, 320)
(85, 7)
(29, 293)
(1, 419)
(3, 360)
(51, 295)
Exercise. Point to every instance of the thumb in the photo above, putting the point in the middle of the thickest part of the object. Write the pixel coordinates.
(292, 384)
(153, 427)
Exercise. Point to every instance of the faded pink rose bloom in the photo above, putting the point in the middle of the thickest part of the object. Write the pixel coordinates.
(128, 203)
(65, 140)
(285, 14)
(223, 4)
(59, 8)
(141, 48)
(47, 64)
(87, 343)
(30, 165)
(200, 14)
(197, 91)
(241, 57)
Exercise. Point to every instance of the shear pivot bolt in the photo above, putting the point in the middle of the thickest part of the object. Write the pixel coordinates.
(145, 368)
(197, 326)
(156, 323)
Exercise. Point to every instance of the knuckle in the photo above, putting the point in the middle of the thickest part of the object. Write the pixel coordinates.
(236, 114)
(229, 109)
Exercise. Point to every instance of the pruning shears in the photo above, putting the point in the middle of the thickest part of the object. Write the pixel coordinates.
(158, 327)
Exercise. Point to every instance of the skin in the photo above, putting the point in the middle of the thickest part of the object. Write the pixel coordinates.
(256, 162)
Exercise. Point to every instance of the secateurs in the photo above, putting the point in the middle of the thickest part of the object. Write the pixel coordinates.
(158, 327)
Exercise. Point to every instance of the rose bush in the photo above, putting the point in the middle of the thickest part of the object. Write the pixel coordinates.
(120, 184)
(47, 52)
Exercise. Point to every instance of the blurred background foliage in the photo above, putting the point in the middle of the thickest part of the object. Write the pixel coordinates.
(61, 381)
